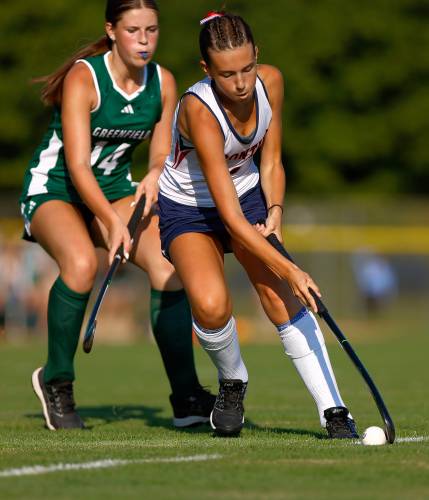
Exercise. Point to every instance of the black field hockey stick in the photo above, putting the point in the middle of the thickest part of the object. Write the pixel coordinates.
(322, 311)
(133, 223)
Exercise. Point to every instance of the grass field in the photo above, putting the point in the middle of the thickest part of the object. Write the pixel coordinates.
(282, 453)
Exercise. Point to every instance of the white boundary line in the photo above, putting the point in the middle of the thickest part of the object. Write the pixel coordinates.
(412, 439)
(409, 439)
(36, 470)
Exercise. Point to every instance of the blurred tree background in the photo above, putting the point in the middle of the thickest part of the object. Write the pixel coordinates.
(356, 115)
(356, 125)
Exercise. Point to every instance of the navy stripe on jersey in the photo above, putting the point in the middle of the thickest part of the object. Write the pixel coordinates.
(208, 107)
(265, 89)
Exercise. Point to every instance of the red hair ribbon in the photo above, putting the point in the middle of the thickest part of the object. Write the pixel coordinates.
(212, 14)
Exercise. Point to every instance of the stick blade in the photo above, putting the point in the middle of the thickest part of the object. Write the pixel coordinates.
(389, 427)
(89, 338)
(389, 430)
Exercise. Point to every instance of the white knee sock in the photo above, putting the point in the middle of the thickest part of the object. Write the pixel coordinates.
(304, 344)
(224, 350)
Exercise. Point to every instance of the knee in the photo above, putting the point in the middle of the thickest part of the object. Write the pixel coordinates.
(212, 311)
(79, 272)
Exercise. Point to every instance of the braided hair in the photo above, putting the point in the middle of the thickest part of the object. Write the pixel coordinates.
(222, 31)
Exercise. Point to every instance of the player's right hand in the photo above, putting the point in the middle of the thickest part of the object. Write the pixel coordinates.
(300, 283)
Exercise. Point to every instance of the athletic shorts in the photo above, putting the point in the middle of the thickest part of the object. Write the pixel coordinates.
(176, 219)
(32, 203)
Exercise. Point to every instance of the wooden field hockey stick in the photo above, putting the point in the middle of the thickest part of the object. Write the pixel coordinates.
(132, 225)
(322, 311)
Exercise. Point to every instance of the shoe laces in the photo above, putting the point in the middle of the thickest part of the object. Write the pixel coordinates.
(230, 395)
(61, 397)
(340, 423)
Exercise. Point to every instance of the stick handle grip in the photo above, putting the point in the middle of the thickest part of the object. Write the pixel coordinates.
(133, 224)
(273, 240)
(136, 215)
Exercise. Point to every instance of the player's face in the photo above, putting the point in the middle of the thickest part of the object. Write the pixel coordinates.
(234, 72)
(135, 35)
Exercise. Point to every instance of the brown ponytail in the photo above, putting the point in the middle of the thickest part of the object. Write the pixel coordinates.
(53, 84)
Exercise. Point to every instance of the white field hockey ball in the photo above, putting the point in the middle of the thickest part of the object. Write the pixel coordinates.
(374, 436)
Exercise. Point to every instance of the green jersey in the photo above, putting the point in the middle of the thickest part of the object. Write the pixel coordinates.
(118, 124)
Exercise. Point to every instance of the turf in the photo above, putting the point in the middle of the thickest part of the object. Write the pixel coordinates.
(282, 452)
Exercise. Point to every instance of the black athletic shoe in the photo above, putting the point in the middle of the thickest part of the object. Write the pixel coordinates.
(339, 425)
(227, 417)
(192, 410)
(57, 403)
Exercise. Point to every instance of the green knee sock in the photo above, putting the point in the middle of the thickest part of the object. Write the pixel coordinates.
(172, 328)
(66, 310)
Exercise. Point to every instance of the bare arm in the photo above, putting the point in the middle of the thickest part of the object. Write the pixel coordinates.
(272, 173)
(203, 130)
(79, 97)
(160, 142)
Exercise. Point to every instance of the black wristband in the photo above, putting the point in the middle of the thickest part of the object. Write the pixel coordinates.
(275, 205)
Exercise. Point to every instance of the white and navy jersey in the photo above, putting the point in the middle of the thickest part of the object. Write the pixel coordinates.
(182, 179)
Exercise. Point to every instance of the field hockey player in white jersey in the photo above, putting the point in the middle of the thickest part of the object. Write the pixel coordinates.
(212, 196)
(78, 194)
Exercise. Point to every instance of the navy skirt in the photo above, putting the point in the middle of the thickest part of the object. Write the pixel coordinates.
(176, 219)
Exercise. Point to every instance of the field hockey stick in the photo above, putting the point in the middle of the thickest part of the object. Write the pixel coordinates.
(323, 312)
(133, 223)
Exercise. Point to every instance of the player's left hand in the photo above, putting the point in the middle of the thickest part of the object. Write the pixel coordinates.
(273, 224)
(149, 187)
